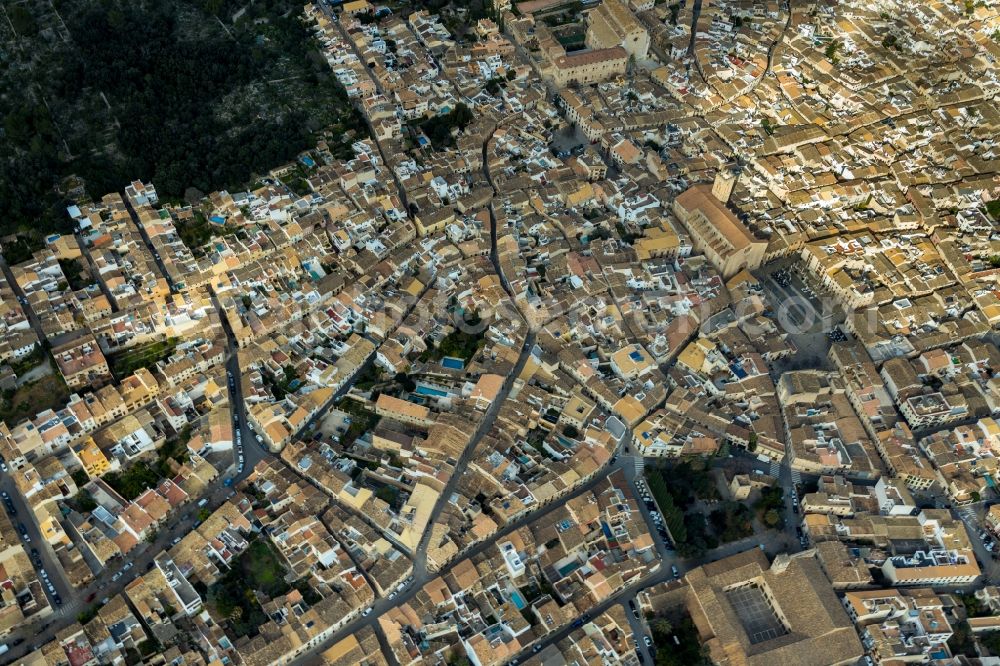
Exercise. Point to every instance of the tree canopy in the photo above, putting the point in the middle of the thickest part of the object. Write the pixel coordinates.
(172, 92)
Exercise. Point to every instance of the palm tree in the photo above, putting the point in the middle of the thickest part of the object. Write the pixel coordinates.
(661, 627)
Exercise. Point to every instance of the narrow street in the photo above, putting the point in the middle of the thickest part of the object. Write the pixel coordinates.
(145, 237)
(638, 625)
(36, 323)
(92, 267)
(386, 164)
(24, 521)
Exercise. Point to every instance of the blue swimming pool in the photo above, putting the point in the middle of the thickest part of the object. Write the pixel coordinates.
(518, 600)
(452, 363)
(427, 390)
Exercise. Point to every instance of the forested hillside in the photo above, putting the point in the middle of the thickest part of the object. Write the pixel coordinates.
(186, 93)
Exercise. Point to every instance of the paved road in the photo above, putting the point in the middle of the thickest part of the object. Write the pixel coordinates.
(638, 626)
(25, 517)
(485, 425)
(421, 575)
(618, 597)
(145, 237)
(36, 323)
(253, 451)
(104, 587)
(335, 18)
(94, 272)
(383, 604)
(972, 516)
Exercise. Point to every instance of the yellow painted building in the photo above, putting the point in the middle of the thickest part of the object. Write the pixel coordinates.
(93, 460)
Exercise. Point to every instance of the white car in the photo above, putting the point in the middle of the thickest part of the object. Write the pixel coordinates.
(366, 612)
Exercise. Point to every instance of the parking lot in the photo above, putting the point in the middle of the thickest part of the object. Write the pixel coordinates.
(984, 543)
(813, 322)
(647, 499)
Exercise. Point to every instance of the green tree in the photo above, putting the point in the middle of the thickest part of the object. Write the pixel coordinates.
(661, 627)
(22, 20)
(991, 642)
(149, 647)
(832, 50)
(404, 380)
(772, 518)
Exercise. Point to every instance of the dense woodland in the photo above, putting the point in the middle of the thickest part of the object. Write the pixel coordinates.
(193, 97)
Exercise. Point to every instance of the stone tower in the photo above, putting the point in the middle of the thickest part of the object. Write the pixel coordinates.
(725, 180)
